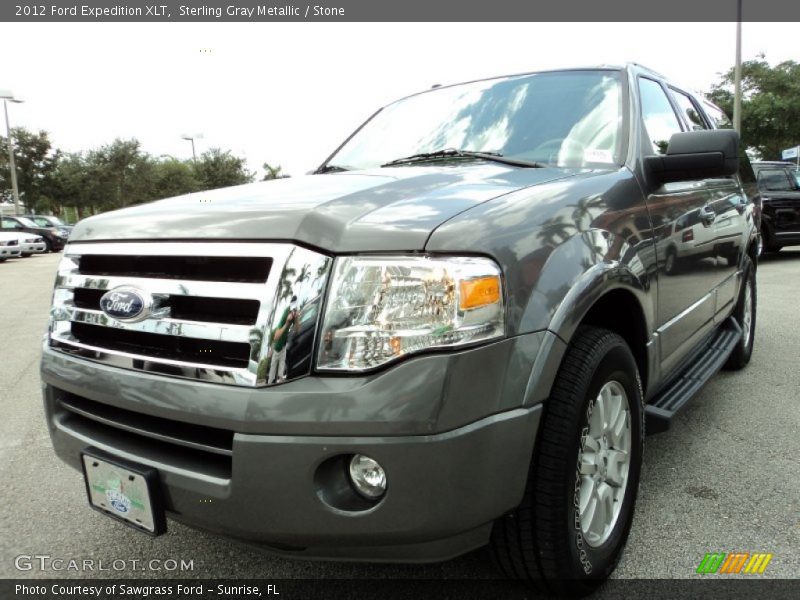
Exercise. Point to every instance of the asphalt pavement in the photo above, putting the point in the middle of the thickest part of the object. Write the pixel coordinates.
(723, 479)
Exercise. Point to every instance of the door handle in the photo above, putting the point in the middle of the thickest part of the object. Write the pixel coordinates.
(707, 215)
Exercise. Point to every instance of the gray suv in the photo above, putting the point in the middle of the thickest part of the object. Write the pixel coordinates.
(453, 334)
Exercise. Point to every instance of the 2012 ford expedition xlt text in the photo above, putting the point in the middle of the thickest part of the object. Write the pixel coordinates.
(454, 333)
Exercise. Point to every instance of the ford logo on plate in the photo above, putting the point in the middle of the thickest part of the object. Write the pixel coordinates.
(125, 304)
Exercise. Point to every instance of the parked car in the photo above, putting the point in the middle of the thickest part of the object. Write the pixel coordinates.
(697, 239)
(31, 244)
(9, 246)
(779, 184)
(51, 221)
(53, 239)
(483, 268)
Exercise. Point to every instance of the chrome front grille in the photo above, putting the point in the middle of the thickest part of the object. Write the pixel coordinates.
(211, 308)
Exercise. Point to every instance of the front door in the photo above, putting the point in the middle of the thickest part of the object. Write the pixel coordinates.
(686, 246)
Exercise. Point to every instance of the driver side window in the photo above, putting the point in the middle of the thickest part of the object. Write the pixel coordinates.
(660, 120)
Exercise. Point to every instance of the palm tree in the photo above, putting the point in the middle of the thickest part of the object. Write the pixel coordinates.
(305, 273)
(272, 172)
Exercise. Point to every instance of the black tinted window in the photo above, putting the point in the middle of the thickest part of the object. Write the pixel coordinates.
(774, 180)
(660, 121)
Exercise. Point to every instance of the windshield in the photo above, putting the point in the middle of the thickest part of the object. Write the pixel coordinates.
(565, 119)
(48, 221)
(26, 222)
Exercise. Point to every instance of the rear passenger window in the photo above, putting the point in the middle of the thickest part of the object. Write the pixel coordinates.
(689, 110)
(660, 121)
(719, 118)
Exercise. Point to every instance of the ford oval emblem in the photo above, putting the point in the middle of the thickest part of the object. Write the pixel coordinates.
(125, 304)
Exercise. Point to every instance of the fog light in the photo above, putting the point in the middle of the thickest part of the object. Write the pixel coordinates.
(368, 477)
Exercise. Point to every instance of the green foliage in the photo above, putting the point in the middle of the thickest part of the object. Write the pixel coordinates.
(770, 105)
(216, 169)
(113, 176)
(271, 172)
(35, 162)
(174, 177)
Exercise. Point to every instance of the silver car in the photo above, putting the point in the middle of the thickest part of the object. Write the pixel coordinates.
(9, 246)
(31, 244)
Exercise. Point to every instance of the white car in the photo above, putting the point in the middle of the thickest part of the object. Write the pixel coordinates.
(30, 243)
(9, 246)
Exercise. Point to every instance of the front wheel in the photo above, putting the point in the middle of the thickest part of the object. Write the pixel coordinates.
(569, 531)
(745, 315)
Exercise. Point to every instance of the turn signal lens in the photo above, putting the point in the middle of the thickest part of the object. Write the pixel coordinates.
(479, 292)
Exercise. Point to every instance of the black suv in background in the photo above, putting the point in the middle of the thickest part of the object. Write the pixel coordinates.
(779, 184)
(53, 237)
(51, 221)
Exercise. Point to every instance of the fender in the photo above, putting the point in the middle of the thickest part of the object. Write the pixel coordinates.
(607, 263)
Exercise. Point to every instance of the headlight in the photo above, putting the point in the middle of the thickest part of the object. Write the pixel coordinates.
(381, 308)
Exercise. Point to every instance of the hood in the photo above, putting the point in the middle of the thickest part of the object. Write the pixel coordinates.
(389, 209)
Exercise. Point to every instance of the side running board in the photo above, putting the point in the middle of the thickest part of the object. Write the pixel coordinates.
(663, 408)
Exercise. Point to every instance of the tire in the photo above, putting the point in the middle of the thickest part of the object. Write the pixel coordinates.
(744, 349)
(25, 254)
(48, 246)
(543, 540)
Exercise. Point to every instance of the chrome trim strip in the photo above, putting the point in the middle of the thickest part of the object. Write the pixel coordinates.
(225, 332)
(170, 287)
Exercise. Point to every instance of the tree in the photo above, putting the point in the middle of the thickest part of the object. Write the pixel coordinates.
(271, 172)
(174, 177)
(35, 164)
(216, 169)
(74, 184)
(123, 172)
(770, 105)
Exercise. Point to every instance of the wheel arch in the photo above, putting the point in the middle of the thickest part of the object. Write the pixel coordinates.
(608, 296)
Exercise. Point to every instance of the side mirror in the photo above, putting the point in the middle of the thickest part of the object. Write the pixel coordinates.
(696, 155)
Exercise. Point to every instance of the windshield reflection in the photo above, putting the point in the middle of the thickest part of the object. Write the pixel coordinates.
(564, 119)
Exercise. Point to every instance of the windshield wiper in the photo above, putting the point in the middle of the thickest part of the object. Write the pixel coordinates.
(453, 153)
(330, 169)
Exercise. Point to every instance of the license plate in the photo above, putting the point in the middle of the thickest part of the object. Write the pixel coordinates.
(124, 491)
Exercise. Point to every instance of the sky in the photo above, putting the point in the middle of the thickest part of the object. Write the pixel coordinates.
(290, 93)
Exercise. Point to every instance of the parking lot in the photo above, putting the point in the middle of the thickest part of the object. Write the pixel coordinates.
(725, 478)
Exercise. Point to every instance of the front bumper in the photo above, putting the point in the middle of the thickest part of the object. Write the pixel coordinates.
(9, 252)
(36, 248)
(447, 480)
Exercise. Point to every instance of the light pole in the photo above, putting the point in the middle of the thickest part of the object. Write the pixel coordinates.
(192, 138)
(7, 97)
(737, 72)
